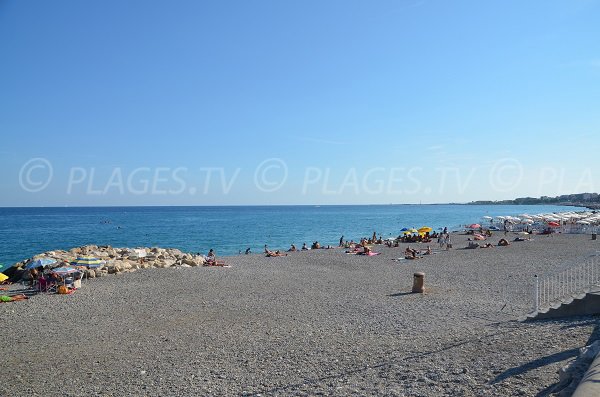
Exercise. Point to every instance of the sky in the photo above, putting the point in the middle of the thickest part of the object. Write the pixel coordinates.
(297, 102)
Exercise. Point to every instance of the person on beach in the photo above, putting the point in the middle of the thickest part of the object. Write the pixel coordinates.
(266, 249)
(503, 243)
(211, 258)
(447, 241)
(304, 247)
(34, 276)
(293, 248)
(342, 241)
(410, 253)
(247, 251)
(54, 278)
(14, 298)
(271, 254)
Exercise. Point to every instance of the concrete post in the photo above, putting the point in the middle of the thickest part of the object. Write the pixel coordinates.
(418, 283)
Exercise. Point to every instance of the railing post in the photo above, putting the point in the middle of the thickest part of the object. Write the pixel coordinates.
(536, 293)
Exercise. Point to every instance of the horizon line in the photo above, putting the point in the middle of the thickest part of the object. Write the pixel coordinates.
(279, 205)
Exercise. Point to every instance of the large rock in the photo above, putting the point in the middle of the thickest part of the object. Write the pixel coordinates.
(100, 254)
(168, 262)
(174, 252)
(188, 262)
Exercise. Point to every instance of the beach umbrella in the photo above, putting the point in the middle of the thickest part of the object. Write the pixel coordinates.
(475, 226)
(425, 229)
(413, 230)
(489, 218)
(40, 263)
(3, 277)
(65, 270)
(404, 229)
(87, 261)
(406, 232)
(553, 224)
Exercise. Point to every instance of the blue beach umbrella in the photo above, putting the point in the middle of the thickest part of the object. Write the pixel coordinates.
(65, 270)
(404, 229)
(40, 263)
(87, 261)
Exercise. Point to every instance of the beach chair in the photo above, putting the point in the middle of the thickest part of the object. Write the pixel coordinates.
(44, 285)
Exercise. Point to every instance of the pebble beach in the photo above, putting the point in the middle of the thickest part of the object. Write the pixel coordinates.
(317, 322)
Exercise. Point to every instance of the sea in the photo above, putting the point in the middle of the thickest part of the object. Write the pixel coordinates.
(229, 230)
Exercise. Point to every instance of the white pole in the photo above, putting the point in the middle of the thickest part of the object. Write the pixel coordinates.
(536, 293)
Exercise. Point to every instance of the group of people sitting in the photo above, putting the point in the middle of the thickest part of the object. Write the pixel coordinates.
(45, 280)
(417, 238)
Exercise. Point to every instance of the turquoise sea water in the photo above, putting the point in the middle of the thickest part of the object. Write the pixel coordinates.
(25, 232)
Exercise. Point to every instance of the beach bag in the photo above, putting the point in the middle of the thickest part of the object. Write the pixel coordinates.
(62, 290)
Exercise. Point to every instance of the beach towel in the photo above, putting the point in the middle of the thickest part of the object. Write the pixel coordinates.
(373, 253)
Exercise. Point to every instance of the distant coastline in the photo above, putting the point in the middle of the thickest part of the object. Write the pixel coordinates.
(587, 200)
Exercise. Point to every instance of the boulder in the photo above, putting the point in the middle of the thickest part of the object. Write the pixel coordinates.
(100, 254)
(187, 262)
(168, 262)
(174, 252)
(115, 269)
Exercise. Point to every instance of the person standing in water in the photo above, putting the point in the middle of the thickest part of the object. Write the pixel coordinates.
(342, 241)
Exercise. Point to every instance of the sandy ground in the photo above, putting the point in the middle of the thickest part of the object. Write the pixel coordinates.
(312, 323)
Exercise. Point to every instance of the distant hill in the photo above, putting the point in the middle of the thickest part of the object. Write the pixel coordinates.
(590, 200)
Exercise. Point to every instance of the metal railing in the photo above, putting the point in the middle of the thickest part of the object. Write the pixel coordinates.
(555, 288)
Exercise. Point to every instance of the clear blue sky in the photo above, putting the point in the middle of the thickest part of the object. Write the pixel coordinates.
(361, 102)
